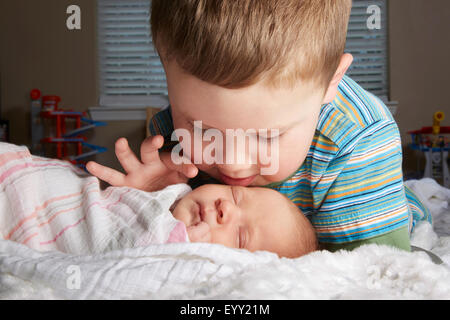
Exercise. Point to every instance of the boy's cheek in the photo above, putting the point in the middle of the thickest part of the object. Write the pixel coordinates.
(285, 170)
(278, 164)
(277, 169)
(287, 165)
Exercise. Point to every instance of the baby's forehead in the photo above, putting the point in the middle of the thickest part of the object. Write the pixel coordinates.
(269, 193)
(269, 202)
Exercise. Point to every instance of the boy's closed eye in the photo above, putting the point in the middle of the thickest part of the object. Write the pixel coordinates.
(269, 136)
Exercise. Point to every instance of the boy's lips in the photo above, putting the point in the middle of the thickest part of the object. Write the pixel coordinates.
(237, 181)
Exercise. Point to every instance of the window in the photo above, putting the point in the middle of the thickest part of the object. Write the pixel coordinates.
(131, 73)
(369, 48)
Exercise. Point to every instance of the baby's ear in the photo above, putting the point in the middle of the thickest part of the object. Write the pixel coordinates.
(346, 61)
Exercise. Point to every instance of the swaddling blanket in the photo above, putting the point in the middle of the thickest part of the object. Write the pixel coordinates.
(48, 204)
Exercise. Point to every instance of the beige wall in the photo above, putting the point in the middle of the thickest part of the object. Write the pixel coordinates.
(419, 60)
(419, 65)
(37, 51)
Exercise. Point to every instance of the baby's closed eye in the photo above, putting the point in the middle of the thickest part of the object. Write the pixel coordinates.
(243, 237)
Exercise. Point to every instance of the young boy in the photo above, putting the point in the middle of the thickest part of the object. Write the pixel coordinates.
(279, 64)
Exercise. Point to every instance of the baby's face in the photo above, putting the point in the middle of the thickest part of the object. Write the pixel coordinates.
(240, 217)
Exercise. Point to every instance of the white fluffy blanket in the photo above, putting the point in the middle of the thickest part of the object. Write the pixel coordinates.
(210, 271)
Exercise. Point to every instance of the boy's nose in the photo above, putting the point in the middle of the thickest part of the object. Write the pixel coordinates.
(227, 212)
(240, 156)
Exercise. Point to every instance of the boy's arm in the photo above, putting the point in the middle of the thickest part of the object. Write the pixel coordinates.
(162, 124)
(365, 202)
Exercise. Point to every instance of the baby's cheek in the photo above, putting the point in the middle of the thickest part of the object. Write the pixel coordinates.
(200, 232)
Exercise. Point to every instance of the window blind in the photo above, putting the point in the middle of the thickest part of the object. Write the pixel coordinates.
(131, 73)
(369, 48)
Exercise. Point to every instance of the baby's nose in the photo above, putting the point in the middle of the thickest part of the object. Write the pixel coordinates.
(226, 212)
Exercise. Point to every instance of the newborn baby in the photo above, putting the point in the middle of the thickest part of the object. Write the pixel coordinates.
(246, 217)
(48, 204)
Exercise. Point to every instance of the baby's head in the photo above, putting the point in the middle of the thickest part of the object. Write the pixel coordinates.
(250, 218)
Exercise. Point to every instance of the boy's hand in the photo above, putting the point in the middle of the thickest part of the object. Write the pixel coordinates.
(152, 173)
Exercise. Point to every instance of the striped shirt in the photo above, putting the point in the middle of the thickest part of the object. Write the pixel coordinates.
(350, 185)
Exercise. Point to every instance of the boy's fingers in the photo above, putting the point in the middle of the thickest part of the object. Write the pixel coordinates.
(126, 156)
(150, 147)
(186, 168)
(113, 177)
(189, 170)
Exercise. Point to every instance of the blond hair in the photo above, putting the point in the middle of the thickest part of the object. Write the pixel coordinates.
(237, 43)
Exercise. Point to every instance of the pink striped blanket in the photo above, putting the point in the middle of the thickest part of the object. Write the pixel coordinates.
(48, 204)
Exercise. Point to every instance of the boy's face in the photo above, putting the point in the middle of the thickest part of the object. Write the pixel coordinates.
(239, 217)
(294, 112)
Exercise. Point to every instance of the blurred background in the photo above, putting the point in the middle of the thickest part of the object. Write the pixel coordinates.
(109, 69)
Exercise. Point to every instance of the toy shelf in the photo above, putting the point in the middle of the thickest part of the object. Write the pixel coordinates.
(434, 142)
(47, 108)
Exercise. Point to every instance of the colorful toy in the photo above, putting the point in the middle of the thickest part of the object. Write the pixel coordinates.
(437, 118)
(434, 142)
(47, 108)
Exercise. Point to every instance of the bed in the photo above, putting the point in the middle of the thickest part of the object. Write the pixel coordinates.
(180, 270)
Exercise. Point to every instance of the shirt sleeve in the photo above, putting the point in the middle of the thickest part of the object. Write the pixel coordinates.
(366, 197)
(398, 238)
(162, 124)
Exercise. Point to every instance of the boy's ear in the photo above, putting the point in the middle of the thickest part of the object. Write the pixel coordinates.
(346, 61)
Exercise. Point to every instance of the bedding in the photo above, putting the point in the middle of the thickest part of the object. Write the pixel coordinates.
(137, 264)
